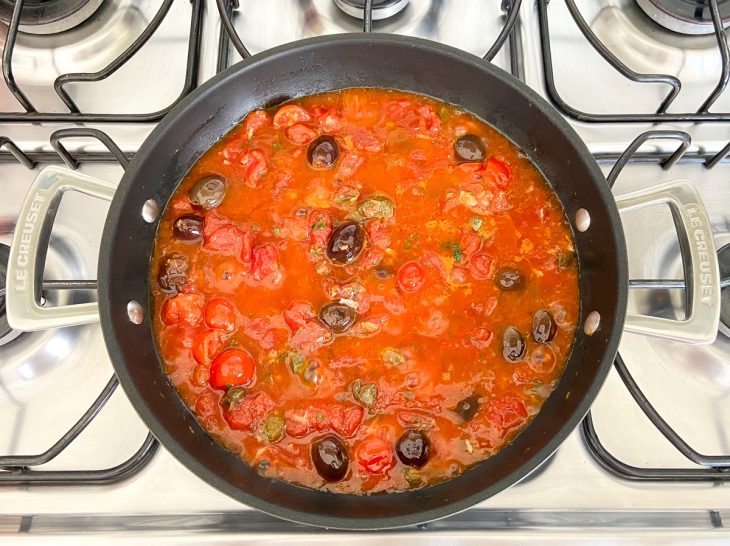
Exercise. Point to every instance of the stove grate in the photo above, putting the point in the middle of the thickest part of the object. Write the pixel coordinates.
(661, 114)
(75, 115)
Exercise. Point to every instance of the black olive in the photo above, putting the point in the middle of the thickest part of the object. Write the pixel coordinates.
(330, 458)
(383, 273)
(543, 326)
(323, 152)
(412, 448)
(173, 273)
(467, 408)
(208, 192)
(346, 243)
(338, 317)
(188, 228)
(509, 279)
(513, 344)
(469, 148)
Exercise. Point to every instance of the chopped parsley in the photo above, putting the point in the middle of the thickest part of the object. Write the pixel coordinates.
(454, 247)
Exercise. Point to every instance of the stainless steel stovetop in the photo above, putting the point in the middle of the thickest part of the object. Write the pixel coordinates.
(616, 480)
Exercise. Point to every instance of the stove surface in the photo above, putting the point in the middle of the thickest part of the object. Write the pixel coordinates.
(574, 498)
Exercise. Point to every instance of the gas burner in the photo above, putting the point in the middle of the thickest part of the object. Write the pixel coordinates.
(49, 16)
(7, 334)
(723, 258)
(685, 16)
(382, 9)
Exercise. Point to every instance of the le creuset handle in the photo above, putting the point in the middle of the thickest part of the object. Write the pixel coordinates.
(29, 247)
(699, 257)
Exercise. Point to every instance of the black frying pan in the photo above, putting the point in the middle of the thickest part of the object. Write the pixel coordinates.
(315, 66)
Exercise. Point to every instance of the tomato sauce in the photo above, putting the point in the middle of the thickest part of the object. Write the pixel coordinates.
(364, 291)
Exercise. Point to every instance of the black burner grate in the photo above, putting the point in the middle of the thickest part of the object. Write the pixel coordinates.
(74, 114)
(661, 114)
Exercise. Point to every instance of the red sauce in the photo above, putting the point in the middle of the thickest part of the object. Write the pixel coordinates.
(419, 348)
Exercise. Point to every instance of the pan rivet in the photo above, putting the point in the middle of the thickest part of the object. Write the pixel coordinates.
(135, 312)
(150, 211)
(593, 321)
(582, 220)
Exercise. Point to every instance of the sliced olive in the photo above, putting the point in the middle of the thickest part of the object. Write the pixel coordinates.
(509, 279)
(188, 228)
(413, 448)
(338, 317)
(330, 458)
(208, 192)
(469, 148)
(543, 326)
(376, 206)
(173, 272)
(346, 243)
(323, 152)
(467, 408)
(513, 344)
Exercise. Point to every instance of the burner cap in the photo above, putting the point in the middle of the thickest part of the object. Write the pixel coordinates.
(723, 258)
(685, 16)
(49, 16)
(382, 9)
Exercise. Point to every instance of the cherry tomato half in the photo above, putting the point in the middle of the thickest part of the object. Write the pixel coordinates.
(374, 455)
(232, 368)
(410, 277)
(206, 345)
(289, 114)
(220, 314)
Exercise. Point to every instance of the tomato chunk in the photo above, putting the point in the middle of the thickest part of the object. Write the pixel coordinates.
(265, 262)
(300, 134)
(507, 413)
(185, 309)
(480, 266)
(310, 336)
(232, 368)
(249, 412)
(221, 235)
(349, 164)
(344, 419)
(206, 345)
(220, 314)
(375, 455)
(255, 167)
(498, 172)
(410, 277)
(320, 224)
(289, 114)
(254, 121)
(298, 314)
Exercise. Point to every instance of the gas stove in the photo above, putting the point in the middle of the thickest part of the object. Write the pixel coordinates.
(642, 82)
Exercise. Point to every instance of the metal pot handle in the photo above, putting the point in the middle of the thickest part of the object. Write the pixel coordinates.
(29, 247)
(699, 257)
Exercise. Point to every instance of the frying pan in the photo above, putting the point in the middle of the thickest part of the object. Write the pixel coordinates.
(325, 64)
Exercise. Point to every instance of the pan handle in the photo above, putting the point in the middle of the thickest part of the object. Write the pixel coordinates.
(29, 247)
(699, 257)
